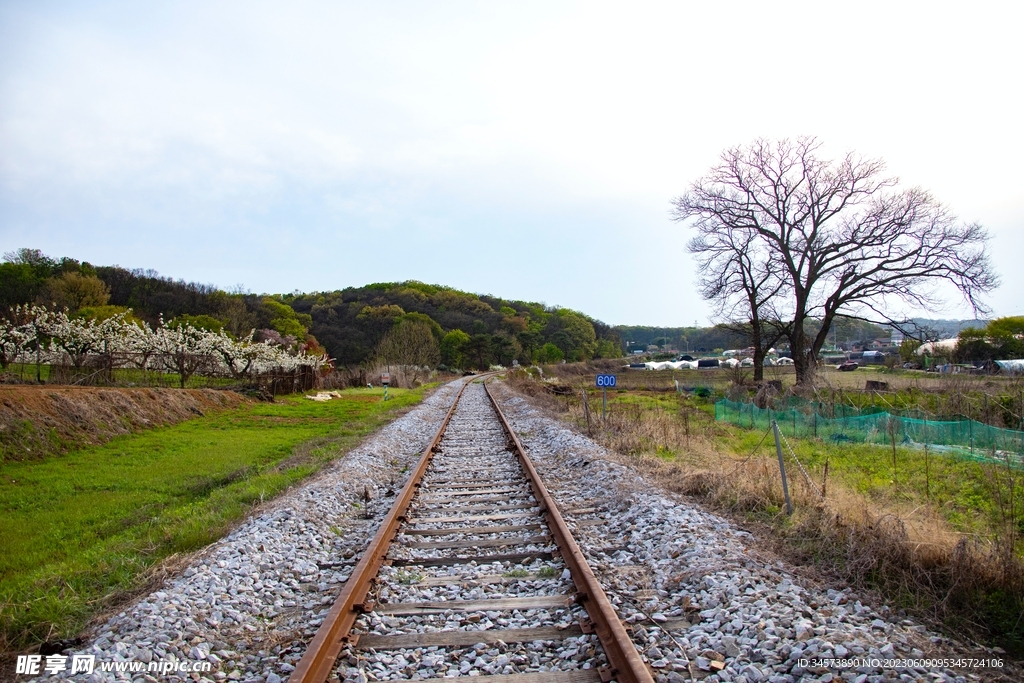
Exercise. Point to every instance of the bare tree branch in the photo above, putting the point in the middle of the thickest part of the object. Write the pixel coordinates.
(779, 227)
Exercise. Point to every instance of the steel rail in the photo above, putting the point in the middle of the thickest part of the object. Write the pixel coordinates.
(333, 634)
(626, 664)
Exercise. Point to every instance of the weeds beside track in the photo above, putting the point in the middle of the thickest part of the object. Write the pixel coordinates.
(941, 539)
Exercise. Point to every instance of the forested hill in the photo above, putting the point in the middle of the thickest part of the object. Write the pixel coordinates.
(351, 322)
(467, 330)
(443, 325)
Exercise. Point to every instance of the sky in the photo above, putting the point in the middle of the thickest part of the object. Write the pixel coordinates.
(528, 150)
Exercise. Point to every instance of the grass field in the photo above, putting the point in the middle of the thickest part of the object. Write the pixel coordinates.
(26, 372)
(83, 530)
(973, 498)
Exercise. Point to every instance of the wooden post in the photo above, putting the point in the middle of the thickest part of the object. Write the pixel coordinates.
(782, 467)
(927, 475)
(824, 480)
(586, 408)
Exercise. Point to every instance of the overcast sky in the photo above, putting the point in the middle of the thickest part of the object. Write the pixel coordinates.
(527, 150)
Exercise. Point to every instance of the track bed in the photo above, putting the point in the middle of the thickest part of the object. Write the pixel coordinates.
(477, 578)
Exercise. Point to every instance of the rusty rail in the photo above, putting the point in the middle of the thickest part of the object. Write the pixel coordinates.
(318, 660)
(626, 664)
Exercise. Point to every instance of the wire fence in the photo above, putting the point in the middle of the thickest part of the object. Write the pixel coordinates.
(962, 438)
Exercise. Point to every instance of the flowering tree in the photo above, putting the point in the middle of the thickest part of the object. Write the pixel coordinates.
(184, 349)
(78, 338)
(238, 356)
(181, 348)
(15, 335)
(137, 343)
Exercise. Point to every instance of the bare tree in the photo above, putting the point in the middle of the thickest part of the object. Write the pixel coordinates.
(743, 283)
(847, 240)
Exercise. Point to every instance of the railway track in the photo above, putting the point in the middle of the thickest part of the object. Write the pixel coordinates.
(473, 572)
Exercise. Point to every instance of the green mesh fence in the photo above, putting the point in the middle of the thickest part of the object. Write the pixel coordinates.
(961, 438)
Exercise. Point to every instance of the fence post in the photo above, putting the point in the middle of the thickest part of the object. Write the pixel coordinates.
(782, 467)
(586, 408)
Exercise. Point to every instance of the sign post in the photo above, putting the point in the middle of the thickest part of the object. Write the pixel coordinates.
(605, 381)
(385, 379)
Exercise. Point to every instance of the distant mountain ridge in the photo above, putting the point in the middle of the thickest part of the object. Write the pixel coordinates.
(948, 328)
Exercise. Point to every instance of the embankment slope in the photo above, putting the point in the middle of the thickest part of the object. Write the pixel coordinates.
(40, 421)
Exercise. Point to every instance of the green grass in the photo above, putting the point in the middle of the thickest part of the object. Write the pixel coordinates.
(972, 496)
(128, 377)
(516, 573)
(966, 493)
(82, 529)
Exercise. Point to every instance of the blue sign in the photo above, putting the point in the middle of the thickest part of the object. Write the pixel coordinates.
(606, 381)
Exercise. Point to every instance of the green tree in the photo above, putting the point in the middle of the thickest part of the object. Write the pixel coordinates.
(73, 291)
(101, 313)
(231, 309)
(20, 283)
(1005, 328)
(285, 320)
(379, 319)
(424, 319)
(478, 351)
(1002, 338)
(452, 348)
(573, 333)
(606, 348)
(199, 322)
(529, 340)
(908, 350)
(504, 349)
(549, 353)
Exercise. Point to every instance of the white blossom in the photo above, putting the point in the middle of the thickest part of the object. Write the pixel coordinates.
(179, 348)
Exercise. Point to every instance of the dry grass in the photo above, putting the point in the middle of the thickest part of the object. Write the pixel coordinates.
(901, 547)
